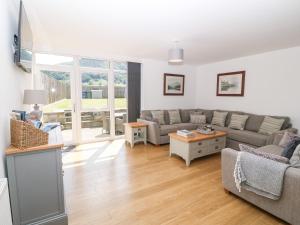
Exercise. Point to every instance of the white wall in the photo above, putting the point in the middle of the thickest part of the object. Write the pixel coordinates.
(152, 85)
(12, 79)
(272, 84)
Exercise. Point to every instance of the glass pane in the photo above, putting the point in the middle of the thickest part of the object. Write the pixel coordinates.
(120, 66)
(94, 90)
(120, 86)
(47, 59)
(95, 125)
(95, 63)
(59, 107)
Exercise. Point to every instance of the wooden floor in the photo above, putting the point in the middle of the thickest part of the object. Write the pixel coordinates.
(110, 184)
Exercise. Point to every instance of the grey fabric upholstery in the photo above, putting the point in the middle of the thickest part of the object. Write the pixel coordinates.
(286, 208)
(273, 149)
(185, 114)
(208, 114)
(166, 129)
(250, 137)
(187, 126)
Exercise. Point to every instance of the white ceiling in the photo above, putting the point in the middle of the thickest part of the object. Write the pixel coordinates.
(208, 30)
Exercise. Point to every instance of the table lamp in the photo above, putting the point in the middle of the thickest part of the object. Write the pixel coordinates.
(35, 97)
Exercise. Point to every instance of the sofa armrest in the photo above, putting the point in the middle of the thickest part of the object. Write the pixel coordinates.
(275, 138)
(153, 131)
(286, 207)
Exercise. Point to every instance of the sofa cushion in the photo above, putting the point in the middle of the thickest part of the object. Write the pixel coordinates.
(207, 113)
(187, 126)
(185, 114)
(250, 137)
(219, 118)
(254, 122)
(198, 119)
(225, 129)
(166, 129)
(159, 115)
(238, 121)
(270, 125)
(272, 149)
(174, 116)
(264, 154)
(146, 114)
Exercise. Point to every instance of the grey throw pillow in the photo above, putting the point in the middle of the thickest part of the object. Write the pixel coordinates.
(277, 158)
(174, 116)
(198, 119)
(238, 121)
(219, 118)
(286, 138)
(159, 115)
(270, 125)
(295, 160)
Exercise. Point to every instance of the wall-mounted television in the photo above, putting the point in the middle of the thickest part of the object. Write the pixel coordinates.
(23, 42)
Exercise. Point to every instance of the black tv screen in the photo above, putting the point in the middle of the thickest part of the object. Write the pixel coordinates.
(24, 42)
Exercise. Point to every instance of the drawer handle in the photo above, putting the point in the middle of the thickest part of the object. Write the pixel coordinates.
(200, 143)
(217, 147)
(217, 140)
(199, 151)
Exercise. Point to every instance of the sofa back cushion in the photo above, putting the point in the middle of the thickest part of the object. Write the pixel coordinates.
(198, 119)
(146, 114)
(185, 115)
(208, 114)
(159, 116)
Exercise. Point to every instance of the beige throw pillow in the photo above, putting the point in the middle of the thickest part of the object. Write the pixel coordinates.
(270, 125)
(174, 116)
(238, 121)
(198, 119)
(219, 118)
(159, 116)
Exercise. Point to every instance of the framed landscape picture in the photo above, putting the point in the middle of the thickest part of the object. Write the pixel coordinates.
(173, 84)
(231, 84)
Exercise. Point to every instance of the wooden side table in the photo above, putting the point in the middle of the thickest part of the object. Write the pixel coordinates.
(135, 132)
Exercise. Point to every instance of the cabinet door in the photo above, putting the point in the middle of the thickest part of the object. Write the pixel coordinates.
(36, 186)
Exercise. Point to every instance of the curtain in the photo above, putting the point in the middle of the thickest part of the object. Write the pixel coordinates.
(134, 91)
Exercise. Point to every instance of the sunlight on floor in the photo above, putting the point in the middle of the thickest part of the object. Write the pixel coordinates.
(93, 153)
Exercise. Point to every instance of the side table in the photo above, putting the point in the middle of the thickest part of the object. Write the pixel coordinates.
(135, 132)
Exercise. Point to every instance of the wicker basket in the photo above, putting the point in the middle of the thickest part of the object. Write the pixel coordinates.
(24, 135)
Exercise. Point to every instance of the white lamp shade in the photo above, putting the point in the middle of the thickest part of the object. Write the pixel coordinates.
(176, 55)
(35, 97)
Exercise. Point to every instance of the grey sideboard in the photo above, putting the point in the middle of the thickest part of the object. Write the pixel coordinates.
(35, 179)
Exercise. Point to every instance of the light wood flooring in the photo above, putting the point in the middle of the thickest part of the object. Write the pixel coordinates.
(110, 184)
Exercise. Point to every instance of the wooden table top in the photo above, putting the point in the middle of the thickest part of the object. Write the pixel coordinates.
(14, 150)
(197, 136)
(136, 124)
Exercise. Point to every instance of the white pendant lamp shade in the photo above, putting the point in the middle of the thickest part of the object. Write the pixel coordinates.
(176, 54)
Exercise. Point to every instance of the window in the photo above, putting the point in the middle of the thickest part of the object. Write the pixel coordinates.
(94, 63)
(47, 59)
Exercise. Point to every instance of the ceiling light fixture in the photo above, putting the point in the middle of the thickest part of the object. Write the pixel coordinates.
(176, 54)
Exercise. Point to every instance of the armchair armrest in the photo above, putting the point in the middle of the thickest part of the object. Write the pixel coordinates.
(153, 131)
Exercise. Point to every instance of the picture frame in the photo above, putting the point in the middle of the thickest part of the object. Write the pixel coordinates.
(173, 84)
(231, 84)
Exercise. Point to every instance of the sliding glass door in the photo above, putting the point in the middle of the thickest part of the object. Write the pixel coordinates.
(88, 97)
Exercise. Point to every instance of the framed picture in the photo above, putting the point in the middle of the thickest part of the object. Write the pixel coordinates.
(173, 84)
(231, 84)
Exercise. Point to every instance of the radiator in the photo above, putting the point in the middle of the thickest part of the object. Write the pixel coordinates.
(5, 214)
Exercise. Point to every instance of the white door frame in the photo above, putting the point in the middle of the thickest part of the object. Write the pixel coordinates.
(76, 96)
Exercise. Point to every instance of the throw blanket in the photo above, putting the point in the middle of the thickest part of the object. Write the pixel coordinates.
(259, 175)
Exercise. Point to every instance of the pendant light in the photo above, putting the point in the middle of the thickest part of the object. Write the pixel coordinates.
(176, 54)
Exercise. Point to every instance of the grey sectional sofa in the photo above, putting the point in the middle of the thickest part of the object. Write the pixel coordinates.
(287, 207)
(158, 134)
